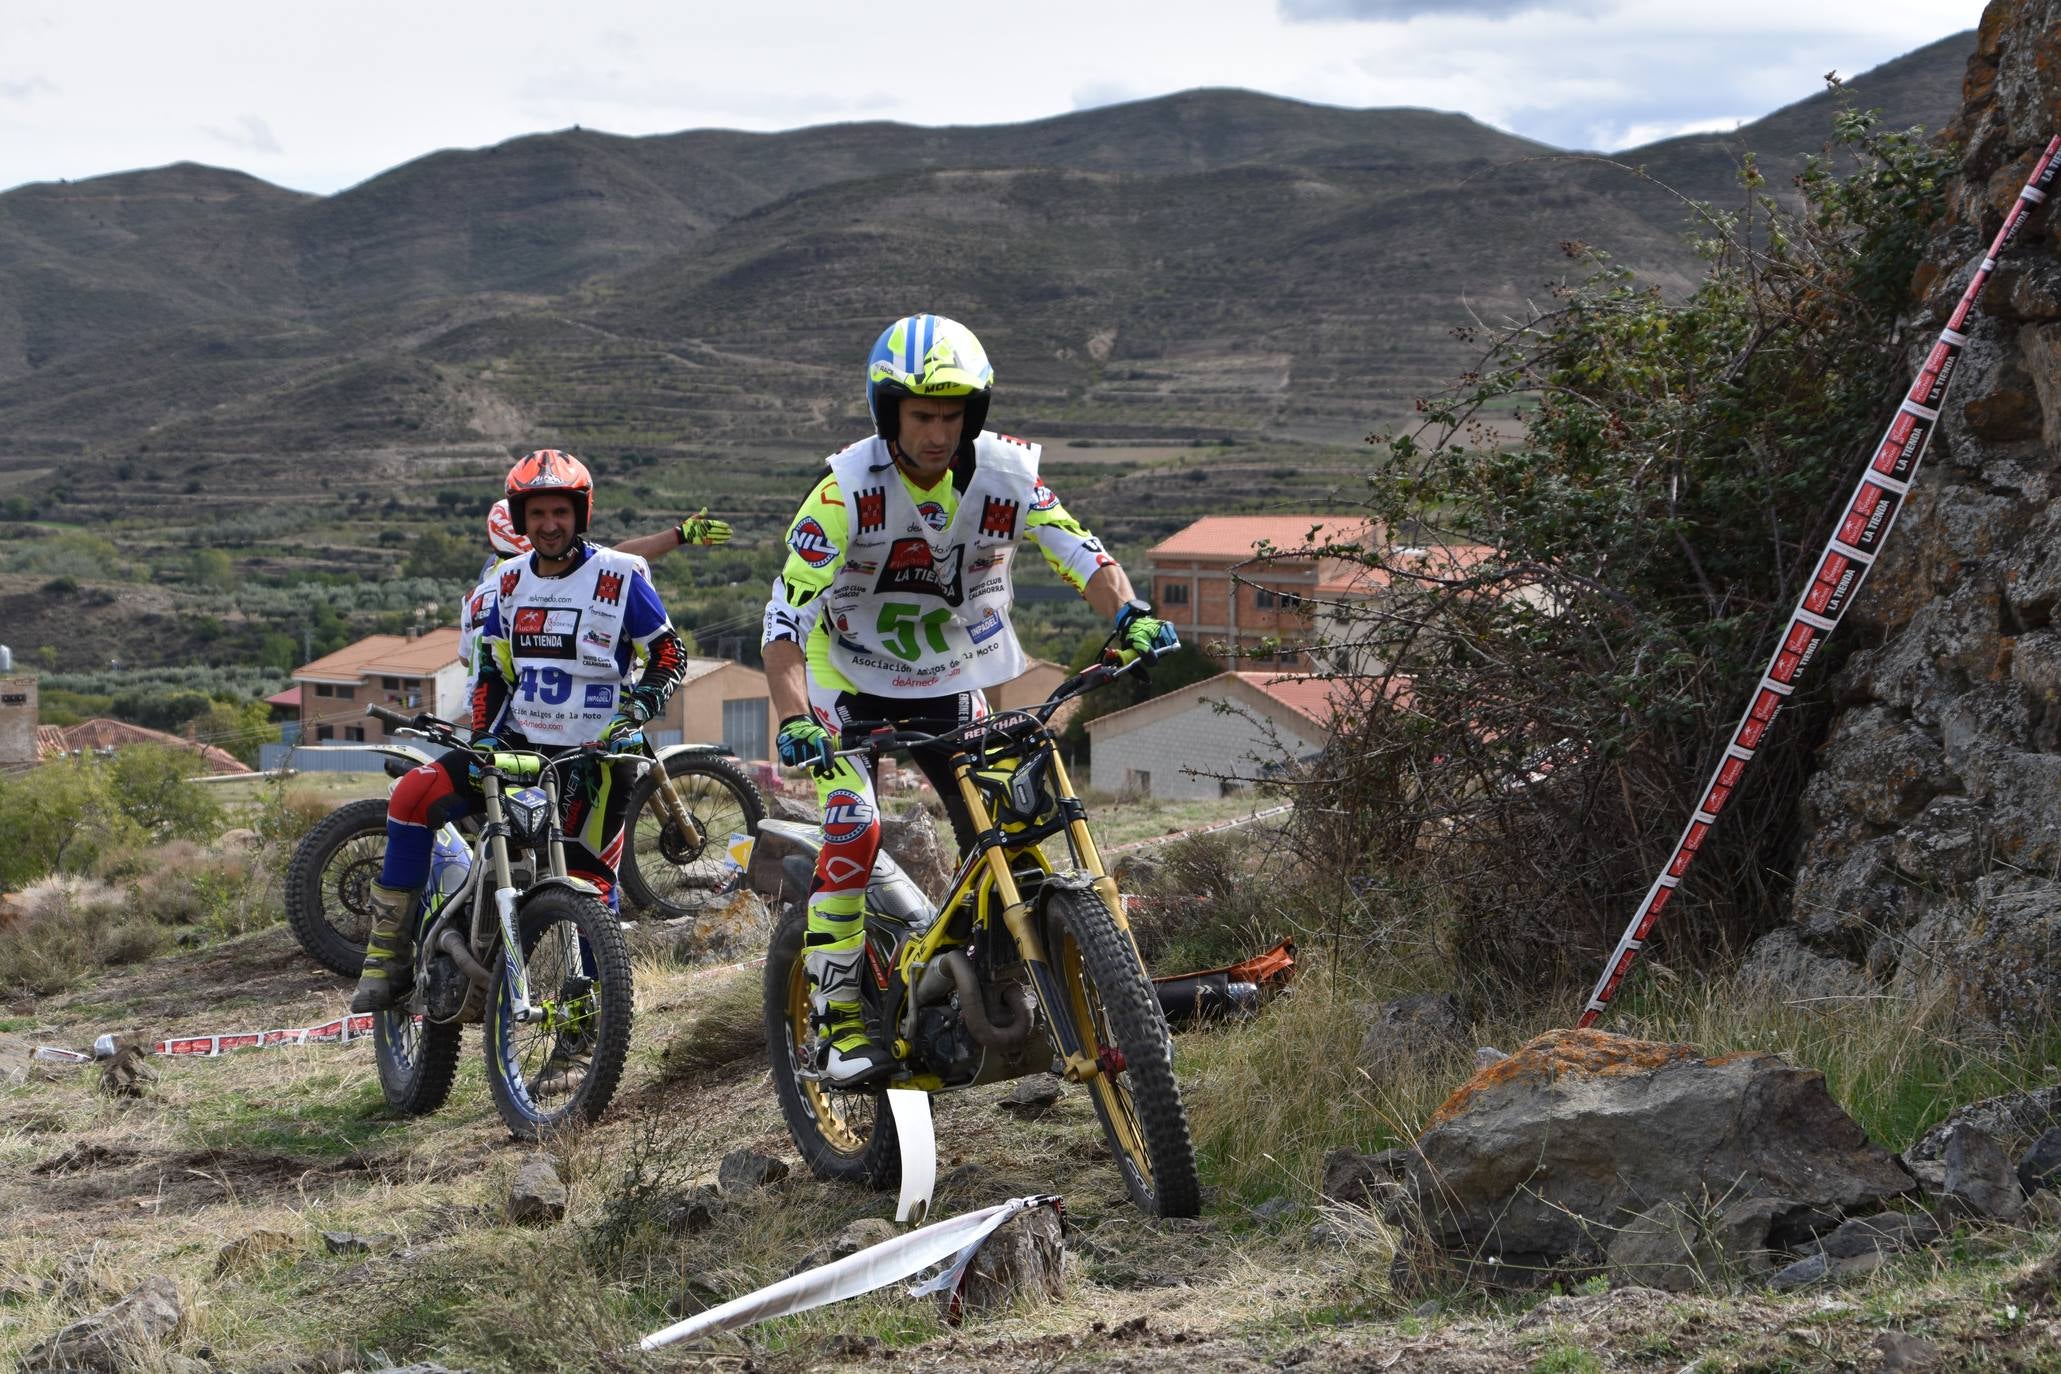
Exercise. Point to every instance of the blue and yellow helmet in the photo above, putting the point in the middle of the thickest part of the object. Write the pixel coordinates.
(927, 355)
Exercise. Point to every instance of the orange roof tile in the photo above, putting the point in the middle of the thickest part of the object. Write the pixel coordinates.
(101, 733)
(391, 655)
(1236, 536)
(1316, 697)
(1342, 577)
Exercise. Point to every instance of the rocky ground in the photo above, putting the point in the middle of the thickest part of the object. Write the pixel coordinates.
(274, 1217)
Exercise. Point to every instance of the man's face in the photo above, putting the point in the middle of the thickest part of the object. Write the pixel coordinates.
(930, 435)
(550, 520)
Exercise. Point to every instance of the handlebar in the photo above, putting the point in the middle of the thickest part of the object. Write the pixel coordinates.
(437, 730)
(880, 736)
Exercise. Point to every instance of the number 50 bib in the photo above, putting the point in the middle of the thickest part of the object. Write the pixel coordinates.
(919, 611)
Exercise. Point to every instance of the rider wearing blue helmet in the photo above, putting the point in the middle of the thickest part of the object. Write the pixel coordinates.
(894, 605)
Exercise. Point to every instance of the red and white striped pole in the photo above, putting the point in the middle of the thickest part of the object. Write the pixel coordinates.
(1842, 567)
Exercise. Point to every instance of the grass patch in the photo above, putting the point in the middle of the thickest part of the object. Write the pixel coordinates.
(320, 1116)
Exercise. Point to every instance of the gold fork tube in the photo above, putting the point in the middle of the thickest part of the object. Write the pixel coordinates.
(1090, 856)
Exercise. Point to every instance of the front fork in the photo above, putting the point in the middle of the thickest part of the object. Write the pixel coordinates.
(1016, 916)
(516, 972)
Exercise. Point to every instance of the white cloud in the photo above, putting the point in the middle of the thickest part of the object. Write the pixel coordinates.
(251, 134)
(348, 91)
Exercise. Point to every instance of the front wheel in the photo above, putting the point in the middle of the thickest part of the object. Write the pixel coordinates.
(848, 1136)
(676, 870)
(1121, 1027)
(563, 1065)
(329, 884)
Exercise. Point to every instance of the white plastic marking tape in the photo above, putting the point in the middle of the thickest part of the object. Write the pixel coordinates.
(874, 1267)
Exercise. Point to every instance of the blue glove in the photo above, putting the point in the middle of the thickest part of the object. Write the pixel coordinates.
(479, 743)
(1138, 630)
(806, 744)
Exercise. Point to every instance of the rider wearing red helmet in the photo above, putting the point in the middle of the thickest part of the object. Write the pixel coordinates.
(568, 623)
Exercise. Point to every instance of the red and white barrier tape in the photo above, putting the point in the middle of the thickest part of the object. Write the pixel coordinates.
(1209, 829)
(958, 1240)
(341, 1031)
(1842, 567)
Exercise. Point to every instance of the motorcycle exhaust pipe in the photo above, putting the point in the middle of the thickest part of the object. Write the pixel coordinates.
(953, 969)
(452, 944)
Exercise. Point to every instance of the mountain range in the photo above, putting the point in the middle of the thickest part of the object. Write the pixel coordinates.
(1214, 262)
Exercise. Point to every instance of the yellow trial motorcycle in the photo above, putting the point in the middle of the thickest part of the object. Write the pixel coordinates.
(1024, 968)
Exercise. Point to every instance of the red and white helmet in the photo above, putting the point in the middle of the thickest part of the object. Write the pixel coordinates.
(501, 531)
(554, 471)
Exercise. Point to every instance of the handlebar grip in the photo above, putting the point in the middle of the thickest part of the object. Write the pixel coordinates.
(378, 712)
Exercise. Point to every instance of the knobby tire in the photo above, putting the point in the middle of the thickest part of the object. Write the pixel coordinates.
(1110, 999)
(312, 906)
(609, 953)
(647, 828)
(846, 1136)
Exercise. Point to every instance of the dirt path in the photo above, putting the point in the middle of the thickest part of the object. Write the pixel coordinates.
(289, 1144)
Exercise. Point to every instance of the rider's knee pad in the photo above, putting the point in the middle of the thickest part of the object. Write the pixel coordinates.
(418, 790)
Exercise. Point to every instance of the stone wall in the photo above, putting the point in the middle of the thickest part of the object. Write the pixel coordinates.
(1932, 842)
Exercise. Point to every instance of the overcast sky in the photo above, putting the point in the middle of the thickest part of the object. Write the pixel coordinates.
(318, 95)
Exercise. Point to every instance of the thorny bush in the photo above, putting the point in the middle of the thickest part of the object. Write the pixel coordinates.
(1541, 680)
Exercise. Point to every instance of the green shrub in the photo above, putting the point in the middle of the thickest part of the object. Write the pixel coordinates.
(151, 787)
(65, 816)
(58, 818)
(1568, 623)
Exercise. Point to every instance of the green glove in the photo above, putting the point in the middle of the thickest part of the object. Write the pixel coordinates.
(1142, 632)
(623, 734)
(699, 528)
(805, 744)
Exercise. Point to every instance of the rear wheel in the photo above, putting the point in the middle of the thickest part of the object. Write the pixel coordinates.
(848, 1136)
(676, 870)
(417, 1060)
(1121, 1027)
(564, 1065)
(329, 884)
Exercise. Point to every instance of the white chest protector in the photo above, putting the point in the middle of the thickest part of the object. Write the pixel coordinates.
(472, 620)
(922, 611)
(562, 635)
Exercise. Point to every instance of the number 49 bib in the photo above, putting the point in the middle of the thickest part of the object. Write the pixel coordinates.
(563, 636)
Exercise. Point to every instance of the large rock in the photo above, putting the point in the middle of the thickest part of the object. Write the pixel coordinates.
(1937, 796)
(1415, 1033)
(2015, 1120)
(913, 839)
(923, 849)
(1681, 1249)
(1541, 1158)
(116, 1338)
(1980, 1176)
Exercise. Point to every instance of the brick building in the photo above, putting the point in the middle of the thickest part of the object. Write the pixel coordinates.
(1211, 584)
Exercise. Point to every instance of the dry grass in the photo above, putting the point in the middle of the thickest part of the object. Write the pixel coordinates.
(295, 1141)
